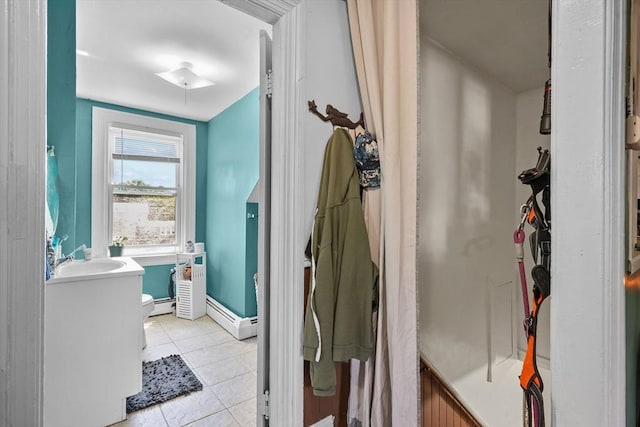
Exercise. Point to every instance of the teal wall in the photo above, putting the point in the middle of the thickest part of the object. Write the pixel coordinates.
(227, 146)
(233, 172)
(632, 320)
(61, 108)
(156, 278)
(155, 281)
(251, 258)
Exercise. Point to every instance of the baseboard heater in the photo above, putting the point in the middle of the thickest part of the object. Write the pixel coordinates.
(240, 327)
(163, 306)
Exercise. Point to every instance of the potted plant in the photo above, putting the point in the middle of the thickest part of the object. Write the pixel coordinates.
(116, 246)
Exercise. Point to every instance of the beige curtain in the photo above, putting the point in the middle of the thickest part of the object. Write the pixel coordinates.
(384, 34)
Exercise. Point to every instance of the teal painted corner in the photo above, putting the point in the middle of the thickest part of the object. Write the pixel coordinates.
(251, 263)
(156, 278)
(61, 109)
(155, 281)
(233, 171)
(632, 325)
(83, 165)
(69, 131)
(231, 154)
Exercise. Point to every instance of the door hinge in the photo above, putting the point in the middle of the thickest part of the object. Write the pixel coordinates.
(265, 405)
(269, 91)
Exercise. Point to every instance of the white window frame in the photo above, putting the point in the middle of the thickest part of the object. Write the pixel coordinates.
(102, 118)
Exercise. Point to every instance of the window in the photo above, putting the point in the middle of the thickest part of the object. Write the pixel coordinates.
(143, 184)
(145, 170)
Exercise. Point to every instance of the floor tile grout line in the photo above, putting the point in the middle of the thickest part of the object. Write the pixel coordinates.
(225, 380)
(219, 360)
(236, 419)
(164, 417)
(205, 416)
(250, 348)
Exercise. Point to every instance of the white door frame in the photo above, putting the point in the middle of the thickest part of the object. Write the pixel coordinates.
(287, 230)
(587, 308)
(287, 233)
(22, 194)
(22, 191)
(587, 181)
(264, 231)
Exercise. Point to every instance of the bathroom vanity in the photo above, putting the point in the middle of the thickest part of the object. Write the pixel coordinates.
(93, 340)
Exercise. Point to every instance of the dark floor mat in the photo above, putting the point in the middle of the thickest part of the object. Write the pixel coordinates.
(163, 380)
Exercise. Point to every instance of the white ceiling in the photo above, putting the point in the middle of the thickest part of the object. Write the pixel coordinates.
(507, 39)
(128, 41)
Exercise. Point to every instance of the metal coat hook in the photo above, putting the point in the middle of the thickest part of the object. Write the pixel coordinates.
(335, 116)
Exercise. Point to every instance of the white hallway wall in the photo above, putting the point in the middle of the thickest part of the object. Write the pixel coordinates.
(320, 67)
(588, 95)
(477, 136)
(465, 214)
(328, 77)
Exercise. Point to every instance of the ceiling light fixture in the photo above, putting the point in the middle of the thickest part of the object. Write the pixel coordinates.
(185, 78)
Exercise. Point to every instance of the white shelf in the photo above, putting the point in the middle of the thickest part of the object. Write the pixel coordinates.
(191, 293)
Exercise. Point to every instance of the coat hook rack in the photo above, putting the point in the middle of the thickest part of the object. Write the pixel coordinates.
(335, 116)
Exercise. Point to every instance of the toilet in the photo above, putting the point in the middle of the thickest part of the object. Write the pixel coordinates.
(147, 308)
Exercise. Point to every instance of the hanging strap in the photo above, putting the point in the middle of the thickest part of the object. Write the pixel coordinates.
(533, 408)
(530, 379)
(540, 241)
(530, 372)
(518, 240)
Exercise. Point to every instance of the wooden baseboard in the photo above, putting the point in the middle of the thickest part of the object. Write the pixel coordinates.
(439, 406)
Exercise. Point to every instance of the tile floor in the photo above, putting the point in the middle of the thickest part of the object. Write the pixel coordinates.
(225, 367)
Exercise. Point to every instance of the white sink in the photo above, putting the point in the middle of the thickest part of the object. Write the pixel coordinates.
(97, 268)
(93, 311)
(87, 268)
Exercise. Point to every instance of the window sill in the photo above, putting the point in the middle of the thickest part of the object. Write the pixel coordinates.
(154, 259)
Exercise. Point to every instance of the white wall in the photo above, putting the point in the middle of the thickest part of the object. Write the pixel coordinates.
(312, 60)
(465, 215)
(477, 136)
(329, 77)
(529, 110)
